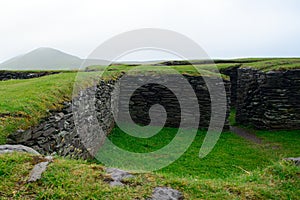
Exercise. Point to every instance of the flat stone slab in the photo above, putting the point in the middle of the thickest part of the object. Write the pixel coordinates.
(36, 172)
(17, 148)
(166, 193)
(295, 160)
(118, 175)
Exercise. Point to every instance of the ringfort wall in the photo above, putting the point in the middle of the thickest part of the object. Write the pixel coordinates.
(58, 134)
(7, 75)
(268, 100)
(265, 100)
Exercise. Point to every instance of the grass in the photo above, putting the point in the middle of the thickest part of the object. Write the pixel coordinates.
(278, 64)
(24, 102)
(232, 120)
(222, 162)
(236, 169)
(196, 70)
(206, 68)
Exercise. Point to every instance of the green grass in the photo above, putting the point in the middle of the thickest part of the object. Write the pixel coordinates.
(235, 169)
(275, 64)
(204, 68)
(190, 164)
(24, 102)
(232, 119)
(196, 70)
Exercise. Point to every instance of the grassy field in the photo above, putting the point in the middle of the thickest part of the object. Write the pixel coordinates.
(231, 156)
(235, 169)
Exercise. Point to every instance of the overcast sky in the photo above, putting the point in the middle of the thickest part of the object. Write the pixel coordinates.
(224, 28)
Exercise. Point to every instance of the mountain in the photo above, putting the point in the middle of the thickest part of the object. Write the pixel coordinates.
(45, 59)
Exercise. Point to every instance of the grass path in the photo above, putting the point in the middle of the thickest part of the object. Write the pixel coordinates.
(246, 134)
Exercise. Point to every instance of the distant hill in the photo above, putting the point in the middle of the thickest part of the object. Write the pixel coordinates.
(46, 59)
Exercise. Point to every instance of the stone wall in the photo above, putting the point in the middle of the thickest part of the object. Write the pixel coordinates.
(232, 72)
(57, 134)
(7, 75)
(268, 100)
(148, 95)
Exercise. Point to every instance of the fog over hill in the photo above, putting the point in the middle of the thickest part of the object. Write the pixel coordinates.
(46, 59)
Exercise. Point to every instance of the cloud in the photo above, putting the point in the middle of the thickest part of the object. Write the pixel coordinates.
(230, 28)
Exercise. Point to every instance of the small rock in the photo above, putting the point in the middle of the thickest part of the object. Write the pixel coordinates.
(295, 160)
(59, 116)
(118, 175)
(115, 183)
(165, 193)
(38, 169)
(20, 136)
(49, 158)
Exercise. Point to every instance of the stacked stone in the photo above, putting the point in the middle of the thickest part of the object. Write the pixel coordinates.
(148, 95)
(232, 72)
(57, 134)
(268, 100)
(7, 75)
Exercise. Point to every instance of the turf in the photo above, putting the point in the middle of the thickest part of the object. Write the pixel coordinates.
(24, 102)
(236, 169)
(278, 64)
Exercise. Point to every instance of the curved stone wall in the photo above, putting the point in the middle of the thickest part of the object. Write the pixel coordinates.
(57, 134)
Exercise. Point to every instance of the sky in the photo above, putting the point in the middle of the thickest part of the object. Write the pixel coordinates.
(223, 28)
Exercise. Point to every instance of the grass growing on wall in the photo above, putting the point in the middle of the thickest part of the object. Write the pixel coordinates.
(275, 64)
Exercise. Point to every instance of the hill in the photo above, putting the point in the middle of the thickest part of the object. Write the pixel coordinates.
(46, 59)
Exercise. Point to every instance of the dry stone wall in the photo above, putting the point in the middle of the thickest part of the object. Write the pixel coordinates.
(268, 100)
(232, 72)
(57, 134)
(150, 94)
(7, 75)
